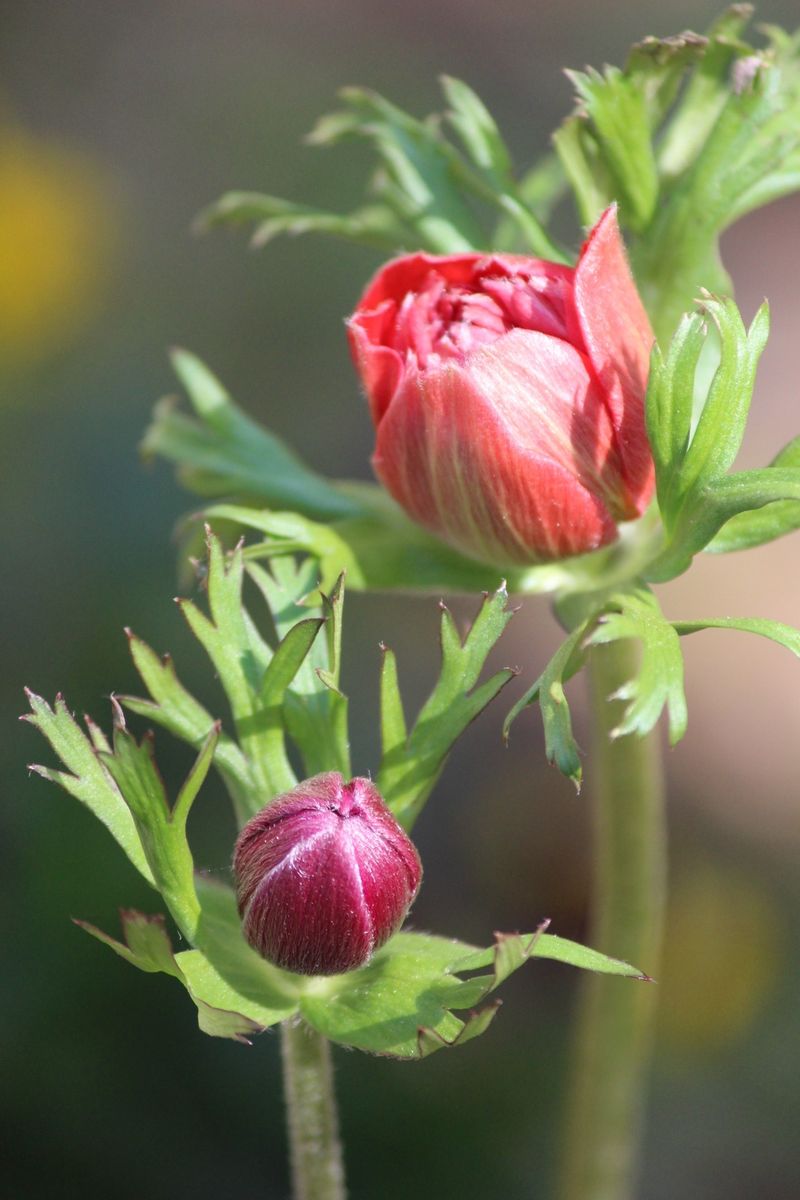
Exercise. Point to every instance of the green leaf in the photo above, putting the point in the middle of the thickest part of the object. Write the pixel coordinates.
(220, 451)
(762, 525)
(720, 429)
(588, 175)
(423, 169)
(489, 154)
(224, 972)
(373, 225)
(613, 104)
(784, 635)
(669, 406)
(147, 946)
(314, 709)
(411, 765)
(162, 830)
(255, 680)
(560, 745)
(146, 942)
(659, 682)
(402, 1003)
(688, 460)
(714, 507)
(706, 93)
(86, 777)
(176, 710)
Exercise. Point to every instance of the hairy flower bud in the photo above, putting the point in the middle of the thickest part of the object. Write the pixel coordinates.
(324, 876)
(507, 395)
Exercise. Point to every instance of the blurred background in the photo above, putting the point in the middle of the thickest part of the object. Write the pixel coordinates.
(118, 122)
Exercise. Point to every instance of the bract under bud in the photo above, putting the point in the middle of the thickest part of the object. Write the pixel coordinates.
(324, 876)
(508, 396)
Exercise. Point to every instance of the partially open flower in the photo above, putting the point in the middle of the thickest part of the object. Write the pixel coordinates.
(324, 876)
(507, 395)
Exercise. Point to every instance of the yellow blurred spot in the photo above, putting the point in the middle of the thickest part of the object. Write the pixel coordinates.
(723, 954)
(56, 226)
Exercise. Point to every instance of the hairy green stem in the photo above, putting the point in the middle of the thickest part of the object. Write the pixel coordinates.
(615, 1020)
(314, 1146)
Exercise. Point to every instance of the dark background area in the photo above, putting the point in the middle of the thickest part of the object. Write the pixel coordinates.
(118, 122)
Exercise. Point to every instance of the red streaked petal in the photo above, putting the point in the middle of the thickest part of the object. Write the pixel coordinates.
(618, 339)
(470, 451)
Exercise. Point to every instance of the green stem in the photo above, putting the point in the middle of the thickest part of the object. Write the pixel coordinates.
(314, 1146)
(615, 1019)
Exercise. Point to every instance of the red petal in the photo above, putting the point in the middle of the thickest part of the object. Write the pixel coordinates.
(618, 339)
(508, 456)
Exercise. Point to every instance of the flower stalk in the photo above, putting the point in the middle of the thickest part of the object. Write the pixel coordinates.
(315, 1150)
(614, 1030)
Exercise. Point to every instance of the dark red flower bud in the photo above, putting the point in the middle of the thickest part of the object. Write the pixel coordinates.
(324, 876)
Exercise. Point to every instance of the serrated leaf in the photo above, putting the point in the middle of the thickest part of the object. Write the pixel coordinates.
(255, 691)
(669, 406)
(411, 766)
(759, 526)
(146, 942)
(176, 710)
(86, 778)
(548, 690)
(161, 829)
(659, 681)
(402, 1003)
(148, 947)
(314, 709)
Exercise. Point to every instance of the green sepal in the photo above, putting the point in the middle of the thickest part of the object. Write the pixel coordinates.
(86, 776)
(410, 765)
(762, 525)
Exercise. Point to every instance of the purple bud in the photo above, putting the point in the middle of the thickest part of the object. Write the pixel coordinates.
(324, 876)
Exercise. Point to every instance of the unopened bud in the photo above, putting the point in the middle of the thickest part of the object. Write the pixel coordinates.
(324, 876)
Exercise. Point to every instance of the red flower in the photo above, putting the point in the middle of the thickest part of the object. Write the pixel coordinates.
(508, 396)
(324, 876)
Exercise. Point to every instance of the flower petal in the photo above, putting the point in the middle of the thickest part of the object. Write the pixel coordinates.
(618, 340)
(495, 454)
